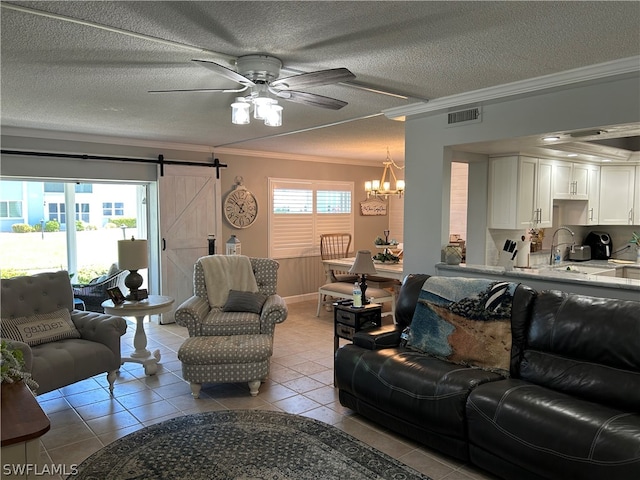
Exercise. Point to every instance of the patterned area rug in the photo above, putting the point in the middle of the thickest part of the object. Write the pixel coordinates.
(245, 444)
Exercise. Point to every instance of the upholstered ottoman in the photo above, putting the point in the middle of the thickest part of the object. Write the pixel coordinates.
(225, 359)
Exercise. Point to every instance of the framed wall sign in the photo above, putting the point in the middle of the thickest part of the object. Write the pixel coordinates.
(373, 206)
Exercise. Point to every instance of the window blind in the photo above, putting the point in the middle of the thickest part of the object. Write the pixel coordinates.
(301, 210)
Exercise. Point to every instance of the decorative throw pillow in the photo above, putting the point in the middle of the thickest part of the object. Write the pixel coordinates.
(238, 301)
(465, 321)
(42, 328)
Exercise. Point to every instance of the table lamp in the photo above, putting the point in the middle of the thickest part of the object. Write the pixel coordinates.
(132, 256)
(363, 266)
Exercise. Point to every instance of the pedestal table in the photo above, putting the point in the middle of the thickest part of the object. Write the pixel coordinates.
(153, 305)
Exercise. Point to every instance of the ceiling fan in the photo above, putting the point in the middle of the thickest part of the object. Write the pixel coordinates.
(259, 74)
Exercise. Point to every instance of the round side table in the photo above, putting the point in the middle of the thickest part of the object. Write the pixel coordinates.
(153, 305)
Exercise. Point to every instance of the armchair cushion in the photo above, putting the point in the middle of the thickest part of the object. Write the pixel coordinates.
(40, 328)
(238, 301)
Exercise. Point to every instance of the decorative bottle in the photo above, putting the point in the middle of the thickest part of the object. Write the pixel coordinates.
(357, 295)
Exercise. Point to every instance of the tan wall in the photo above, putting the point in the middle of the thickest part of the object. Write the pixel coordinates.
(296, 276)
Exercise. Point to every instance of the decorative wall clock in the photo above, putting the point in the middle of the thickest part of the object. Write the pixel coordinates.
(240, 206)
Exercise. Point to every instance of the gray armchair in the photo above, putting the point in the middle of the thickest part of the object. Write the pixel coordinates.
(196, 314)
(232, 341)
(89, 346)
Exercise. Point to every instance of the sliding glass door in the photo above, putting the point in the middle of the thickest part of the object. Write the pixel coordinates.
(57, 225)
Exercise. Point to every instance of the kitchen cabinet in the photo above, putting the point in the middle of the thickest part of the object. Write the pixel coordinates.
(636, 201)
(593, 194)
(617, 190)
(520, 192)
(570, 180)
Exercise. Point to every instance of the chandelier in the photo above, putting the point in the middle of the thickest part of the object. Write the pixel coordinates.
(382, 187)
(264, 108)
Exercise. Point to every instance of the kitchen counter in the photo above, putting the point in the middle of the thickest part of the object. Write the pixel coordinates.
(546, 277)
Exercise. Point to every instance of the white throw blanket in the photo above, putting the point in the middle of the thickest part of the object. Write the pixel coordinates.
(227, 272)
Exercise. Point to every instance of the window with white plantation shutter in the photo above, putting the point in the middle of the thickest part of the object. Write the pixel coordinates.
(301, 210)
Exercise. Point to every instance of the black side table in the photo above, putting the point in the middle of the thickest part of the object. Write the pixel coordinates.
(348, 320)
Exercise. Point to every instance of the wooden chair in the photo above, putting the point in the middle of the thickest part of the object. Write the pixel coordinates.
(336, 245)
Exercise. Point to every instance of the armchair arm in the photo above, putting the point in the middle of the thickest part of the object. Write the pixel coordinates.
(101, 328)
(27, 355)
(191, 313)
(387, 336)
(274, 311)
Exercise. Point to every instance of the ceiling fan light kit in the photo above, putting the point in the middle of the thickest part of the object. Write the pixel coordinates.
(264, 108)
(260, 74)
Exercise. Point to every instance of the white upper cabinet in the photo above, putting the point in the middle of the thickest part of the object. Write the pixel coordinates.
(593, 194)
(617, 185)
(520, 192)
(636, 201)
(570, 180)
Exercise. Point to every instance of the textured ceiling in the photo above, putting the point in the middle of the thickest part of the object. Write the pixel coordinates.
(74, 77)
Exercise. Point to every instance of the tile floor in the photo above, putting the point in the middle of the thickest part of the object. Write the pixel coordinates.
(84, 418)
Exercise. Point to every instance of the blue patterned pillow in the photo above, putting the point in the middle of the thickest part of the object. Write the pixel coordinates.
(465, 321)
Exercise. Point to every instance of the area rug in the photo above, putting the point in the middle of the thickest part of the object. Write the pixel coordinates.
(241, 444)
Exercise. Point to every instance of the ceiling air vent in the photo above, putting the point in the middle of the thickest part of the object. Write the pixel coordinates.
(471, 115)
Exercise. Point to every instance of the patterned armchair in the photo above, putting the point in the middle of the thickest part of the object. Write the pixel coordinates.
(200, 319)
(230, 343)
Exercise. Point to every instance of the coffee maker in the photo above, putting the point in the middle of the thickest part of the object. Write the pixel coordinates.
(600, 243)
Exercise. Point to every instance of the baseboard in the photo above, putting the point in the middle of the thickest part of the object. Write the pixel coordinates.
(305, 297)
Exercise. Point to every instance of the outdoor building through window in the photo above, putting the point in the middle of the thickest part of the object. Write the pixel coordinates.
(301, 210)
(37, 222)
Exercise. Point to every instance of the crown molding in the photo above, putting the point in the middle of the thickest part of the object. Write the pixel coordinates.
(161, 145)
(556, 80)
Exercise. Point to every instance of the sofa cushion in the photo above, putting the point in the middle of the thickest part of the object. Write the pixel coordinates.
(541, 431)
(40, 328)
(464, 320)
(586, 347)
(419, 389)
(408, 298)
(238, 301)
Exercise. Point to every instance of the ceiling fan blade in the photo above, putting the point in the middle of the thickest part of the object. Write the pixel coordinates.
(203, 90)
(311, 99)
(225, 72)
(314, 79)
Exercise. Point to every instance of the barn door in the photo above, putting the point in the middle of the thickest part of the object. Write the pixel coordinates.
(189, 213)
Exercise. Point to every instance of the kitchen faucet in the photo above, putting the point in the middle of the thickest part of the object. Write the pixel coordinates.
(554, 236)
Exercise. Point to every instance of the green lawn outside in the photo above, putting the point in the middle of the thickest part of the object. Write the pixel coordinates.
(29, 253)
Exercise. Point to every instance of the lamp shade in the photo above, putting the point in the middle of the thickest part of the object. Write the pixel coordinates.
(363, 264)
(132, 254)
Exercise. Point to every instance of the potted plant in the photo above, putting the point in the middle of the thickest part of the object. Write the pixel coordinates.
(635, 238)
(12, 366)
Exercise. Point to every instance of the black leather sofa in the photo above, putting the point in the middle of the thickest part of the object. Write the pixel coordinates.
(569, 408)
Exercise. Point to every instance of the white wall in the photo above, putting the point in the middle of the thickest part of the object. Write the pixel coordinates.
(427, 158)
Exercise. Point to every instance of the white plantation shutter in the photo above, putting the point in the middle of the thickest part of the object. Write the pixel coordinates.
(301, 210)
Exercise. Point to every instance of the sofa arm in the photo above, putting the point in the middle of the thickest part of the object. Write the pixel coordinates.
(387, 336)
(191, 313)
(101, 328)
(273, 311)
(27, 354)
